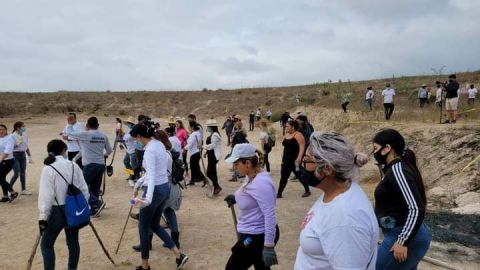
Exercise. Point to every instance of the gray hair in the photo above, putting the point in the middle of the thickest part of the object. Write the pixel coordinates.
(336, 151)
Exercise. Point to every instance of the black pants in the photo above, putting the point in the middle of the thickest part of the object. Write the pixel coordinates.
(389, 107)
(229, 134)
(287, 168)
(71, 155)
(212, 168)
(267, 162)
(251, 125)
(245, 256)
(138, 169)
(5, 167)
(344, 106)
(422, 102)
(184, 158)
(196, 173)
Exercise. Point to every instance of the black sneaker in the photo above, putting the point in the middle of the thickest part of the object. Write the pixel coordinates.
(13, 196)
(306, 194)
(5, 199)
(181, 261)
(99, 209)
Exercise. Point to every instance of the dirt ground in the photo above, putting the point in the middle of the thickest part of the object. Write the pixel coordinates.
(207, 230)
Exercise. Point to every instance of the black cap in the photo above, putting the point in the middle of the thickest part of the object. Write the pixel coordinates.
(453, 76)
(92, 122)
(369, 88)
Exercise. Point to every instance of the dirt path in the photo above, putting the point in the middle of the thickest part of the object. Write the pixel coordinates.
(206, 225)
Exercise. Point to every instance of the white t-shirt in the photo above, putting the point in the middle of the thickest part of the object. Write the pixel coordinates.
(472, 92)
(7, 144)
(73, 145)
(263, 138)
(439, 94)
(176, 145)
(341, 234)
(21, 142)
(369, 94)
(388, 94)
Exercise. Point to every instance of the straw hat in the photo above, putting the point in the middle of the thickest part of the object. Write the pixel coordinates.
(130, 119)
(211, 123)
(171, 120)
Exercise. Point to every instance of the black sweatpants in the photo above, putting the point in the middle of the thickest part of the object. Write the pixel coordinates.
(5, 167)
(389, 107)
(212, 168)
(196, 173)
(287, 168)
(245, 256)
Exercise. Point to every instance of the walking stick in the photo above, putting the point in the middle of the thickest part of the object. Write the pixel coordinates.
(209, 187)
(234, 217)
(34, 251)
(101, 243)
(124, 227)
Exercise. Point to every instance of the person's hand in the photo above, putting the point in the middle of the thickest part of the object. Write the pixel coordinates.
(230, 199)
(269, 256)
(30, 160)
(298, 162)
(399, 252)
(42, 226)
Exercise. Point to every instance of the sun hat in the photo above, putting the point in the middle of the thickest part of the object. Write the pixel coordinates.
(130, 119)
(242, 150)
(424, 85)
(211, 123)
(171, 120)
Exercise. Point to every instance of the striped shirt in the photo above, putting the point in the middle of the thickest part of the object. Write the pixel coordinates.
(398, 196)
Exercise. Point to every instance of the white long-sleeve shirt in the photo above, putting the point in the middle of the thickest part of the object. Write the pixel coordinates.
(192, 142)
(155, 162)
(216, 145)
(52, 185)
(7, 143)
(176, 145)
(72, 143)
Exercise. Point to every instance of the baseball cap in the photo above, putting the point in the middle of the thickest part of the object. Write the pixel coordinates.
(242, 150)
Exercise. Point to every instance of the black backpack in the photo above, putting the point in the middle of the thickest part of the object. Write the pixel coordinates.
(177, 167)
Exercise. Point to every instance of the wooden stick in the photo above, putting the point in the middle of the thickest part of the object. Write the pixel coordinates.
(124, 227)
(439, 263)
(101, 243)
(34, 251)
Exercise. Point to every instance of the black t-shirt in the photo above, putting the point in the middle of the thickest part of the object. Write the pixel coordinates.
(452, 89)
(252, 117)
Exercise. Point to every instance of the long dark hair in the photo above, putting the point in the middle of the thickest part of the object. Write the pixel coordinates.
(214, 129)
(54, 148)
(194, 125)
(163, 137)
(17, 125)
(142, 130)
(397, 142)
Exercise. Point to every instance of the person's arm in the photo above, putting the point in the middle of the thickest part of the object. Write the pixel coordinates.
(8, 149)
(80, 182)
(264, 195)
(46, 193)
(108, 147)
(191, 139)
(76, 135)
(150, 168)
(215, 141)
(301, 143)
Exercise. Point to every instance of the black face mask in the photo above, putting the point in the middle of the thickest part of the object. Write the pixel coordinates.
(309, 178)
(382, 160)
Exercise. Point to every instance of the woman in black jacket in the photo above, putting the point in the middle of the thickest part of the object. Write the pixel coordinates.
(400, 204)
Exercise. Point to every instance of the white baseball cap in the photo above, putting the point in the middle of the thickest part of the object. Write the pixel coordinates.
(242, 150)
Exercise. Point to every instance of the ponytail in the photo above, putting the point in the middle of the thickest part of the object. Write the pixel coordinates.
(54, 148)
(410, 159)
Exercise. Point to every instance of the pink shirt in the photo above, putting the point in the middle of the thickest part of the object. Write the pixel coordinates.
(182, 136)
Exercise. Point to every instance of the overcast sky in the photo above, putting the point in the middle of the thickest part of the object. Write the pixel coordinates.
(49, 45)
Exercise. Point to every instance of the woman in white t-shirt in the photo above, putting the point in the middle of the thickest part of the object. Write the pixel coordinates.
(264, 144)
(340, 231)
(7, 142)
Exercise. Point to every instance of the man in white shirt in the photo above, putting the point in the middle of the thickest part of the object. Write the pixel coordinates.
(472, 92)
(388, 94)
(439, 95)
(259, 114)
(369, 97)
(73, 144)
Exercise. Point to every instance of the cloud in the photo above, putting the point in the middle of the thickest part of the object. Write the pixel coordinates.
(150, 44)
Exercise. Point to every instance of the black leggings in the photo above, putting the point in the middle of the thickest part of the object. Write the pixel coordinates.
(196, 173)
(5, 167)
(184, 158)
(266, 161)
(389, 107)
(287, 168)
(212, 168)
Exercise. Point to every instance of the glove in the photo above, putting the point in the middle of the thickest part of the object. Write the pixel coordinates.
(30, 160)
(269, 256)
(42, 226)
(230, 199)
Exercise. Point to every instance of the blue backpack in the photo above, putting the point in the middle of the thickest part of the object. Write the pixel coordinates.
(77, 211)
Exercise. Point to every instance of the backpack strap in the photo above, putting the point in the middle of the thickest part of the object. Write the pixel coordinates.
(64, 179)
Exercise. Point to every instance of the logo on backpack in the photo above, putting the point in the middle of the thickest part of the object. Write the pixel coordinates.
(77, 211)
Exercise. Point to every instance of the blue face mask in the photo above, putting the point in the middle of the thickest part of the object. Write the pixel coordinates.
(23, 129)
(139, 144)
(130, 126)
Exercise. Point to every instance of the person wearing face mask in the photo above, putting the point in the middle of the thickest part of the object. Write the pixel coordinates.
(193, 148)
(20, 152)
(213, 147)
(95, 149)
(51, 203)
(340, 231)
(154, 198)
(130, 159)
(7, 143)
(256, 226)
(400, 204)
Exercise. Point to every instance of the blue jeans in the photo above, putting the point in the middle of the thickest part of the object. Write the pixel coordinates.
(149, 220)
(417, 248)
(56, 223)
(93, 174)
(130, 161)
(19, 168)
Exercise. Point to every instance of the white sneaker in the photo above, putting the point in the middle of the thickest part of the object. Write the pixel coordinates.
(26, 192)
(131, 183)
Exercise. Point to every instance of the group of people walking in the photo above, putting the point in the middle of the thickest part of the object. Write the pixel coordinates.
(341, 229)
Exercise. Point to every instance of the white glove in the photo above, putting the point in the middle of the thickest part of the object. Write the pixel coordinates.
(30, 160)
